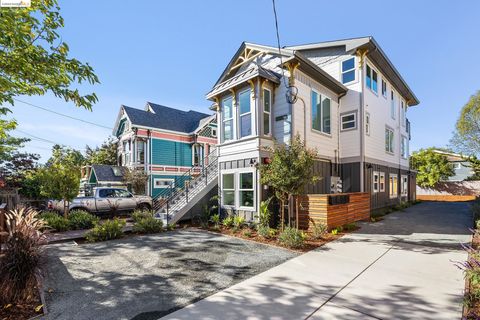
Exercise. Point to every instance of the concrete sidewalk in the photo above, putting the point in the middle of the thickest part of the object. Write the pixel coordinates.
(399, 268)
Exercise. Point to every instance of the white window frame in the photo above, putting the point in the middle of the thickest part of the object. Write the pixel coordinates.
(404, 186)
(390, 141)
(232, 118)
(370, 75)
(404, 147)
(354, 69)
(234, 191)
(403, 115)
(382, 182)
(367, 123)
(349, 121)
(321, 98)
(269, 133)
(392, 104)
(376, 182)
(392, 192)
(239, 206)
(384, 93)
(240, 115)
(166, 186)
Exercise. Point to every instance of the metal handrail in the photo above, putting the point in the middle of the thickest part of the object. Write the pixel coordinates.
(166, 197)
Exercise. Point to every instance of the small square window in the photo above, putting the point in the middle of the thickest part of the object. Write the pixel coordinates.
(349, 121)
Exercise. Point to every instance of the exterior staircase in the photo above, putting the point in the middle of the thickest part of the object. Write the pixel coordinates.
(172, 204)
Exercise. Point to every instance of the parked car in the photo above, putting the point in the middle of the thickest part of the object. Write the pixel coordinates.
(105, 200)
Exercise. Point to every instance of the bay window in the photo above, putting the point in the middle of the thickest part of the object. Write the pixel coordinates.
(321, 113)
(267, 102)
(245, 113)
(227, 119)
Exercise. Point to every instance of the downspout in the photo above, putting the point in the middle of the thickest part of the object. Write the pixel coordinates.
(362, 53)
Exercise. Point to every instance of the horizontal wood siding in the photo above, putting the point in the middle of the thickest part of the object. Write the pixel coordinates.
(314, 208)
(172, 153)
(446, 197)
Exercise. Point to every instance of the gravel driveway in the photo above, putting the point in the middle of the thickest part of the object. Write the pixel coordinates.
(146, 277)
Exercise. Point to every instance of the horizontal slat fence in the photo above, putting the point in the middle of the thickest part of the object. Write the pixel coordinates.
(315, 208)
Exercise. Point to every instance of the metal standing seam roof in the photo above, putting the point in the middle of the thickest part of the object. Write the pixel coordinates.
(242, 77)
(165, 118)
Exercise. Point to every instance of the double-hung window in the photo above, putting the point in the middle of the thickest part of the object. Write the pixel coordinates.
(348, 70)
(321, 113)
(376, 182)
(392, 104)
(245, 113)
(349, 121)
(372, 79)
(404, 186)
(382, 181)
(403, 113)
(384, 88)
(246, 189)
(228, 189)
(227, 119)
(393, 185)
(389, 140)
(404, 147)
(267, 102)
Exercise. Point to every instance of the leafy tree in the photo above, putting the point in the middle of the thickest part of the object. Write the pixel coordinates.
(137, 179)
(16, 168)
(432, 167)
(289, 171)
(466, 137)
(35, 60)
(105, 154)
(60, 177)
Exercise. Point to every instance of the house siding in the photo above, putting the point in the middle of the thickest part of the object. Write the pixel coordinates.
(172, 153)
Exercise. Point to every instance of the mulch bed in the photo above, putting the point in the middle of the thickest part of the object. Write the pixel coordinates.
(22, 311)
(309, 243)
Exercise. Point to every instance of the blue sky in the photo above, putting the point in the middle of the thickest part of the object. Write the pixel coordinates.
(172, 52)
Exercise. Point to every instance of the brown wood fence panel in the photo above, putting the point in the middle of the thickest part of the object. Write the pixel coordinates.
(446, 197)
(315, 208)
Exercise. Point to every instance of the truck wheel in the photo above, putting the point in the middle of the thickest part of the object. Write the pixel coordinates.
(144, 207)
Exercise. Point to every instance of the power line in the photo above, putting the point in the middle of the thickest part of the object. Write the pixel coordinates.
(37, 138)
(63, 115)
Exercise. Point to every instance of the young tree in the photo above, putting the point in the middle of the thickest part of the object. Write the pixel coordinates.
(290, 169)
(466, 137)
(432, 167)
(105, 154)
(137, 179)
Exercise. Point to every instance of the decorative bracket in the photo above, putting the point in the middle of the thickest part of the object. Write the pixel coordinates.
(361, 53)
(291, 69)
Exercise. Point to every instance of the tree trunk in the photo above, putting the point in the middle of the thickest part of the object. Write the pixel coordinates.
(282, 214)
(297, 223)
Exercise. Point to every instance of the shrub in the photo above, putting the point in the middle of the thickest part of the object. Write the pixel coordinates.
(247, 233)
(319, 229)
(141, 214)
(228, 222)
(216, 221)
(264, 214)
(266, 232)
(79, 220)
(334, 231)
(238, 222)
(23, 257)
(171, 226)
(148, 225)
(107, 230)
(55, 221)
(291, 238)
(350, 226)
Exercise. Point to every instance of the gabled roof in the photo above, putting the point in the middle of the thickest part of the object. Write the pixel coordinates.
(166, 118)
(375, 53)
(108, 173)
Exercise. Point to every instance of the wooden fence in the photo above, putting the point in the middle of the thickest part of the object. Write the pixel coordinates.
(10, 197)
(333, 209)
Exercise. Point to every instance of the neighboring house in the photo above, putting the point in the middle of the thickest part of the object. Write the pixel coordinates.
(350, 104)
(99, 175)
(163, 142)
(461, 166)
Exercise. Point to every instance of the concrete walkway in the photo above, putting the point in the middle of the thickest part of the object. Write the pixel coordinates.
(399, 268)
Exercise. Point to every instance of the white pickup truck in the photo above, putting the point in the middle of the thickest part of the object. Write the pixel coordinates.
(105, 200)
